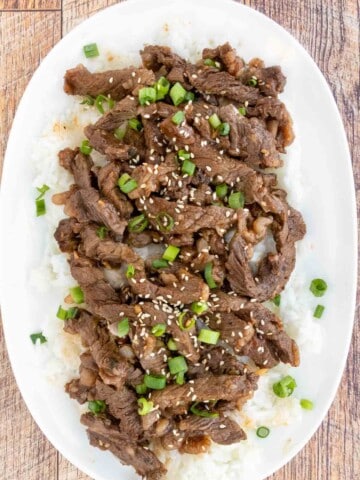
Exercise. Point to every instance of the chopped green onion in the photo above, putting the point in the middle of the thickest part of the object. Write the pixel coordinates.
(141, 389)
(252, 82)
(123, 327)
(88, 100)
(145, 406)
(85, 147)
(188, 324)
(159, 329)
(236, 200)
(147, 95)
(180, 378)
(242, 110)
(162, 87)
(306, 404)
(77, 294)
(221, 190)
(209, 62)
(202, 413)
(215, 121)
(91, 50)
(188, 167)
(319, 310)
(100, 100)
(183, 155)
(71, 313)
(171, 253)
(262, 432)
(40, 207)
(208, 275)
(285, 387)
(208, 336)
(101, 232)
(171, 344)
(189, 96)
(224, 129)
(177, 94)
(199, 307)
(178, 117)
(318, 287)
(277, 300)
(97, 406)
(164, 221)
(42, 190)
(177, 364)
(120, 132)
(155, 382)
(126, 183)
(135, 124)
(160, 263)
(130, 271)
(138, 224)
(38, 336)
(61, 313)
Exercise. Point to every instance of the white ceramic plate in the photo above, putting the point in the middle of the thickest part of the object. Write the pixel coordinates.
(328, 205)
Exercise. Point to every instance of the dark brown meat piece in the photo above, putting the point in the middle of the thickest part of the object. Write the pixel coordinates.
(66, 234)
(115, 83)
(222, 430)
(149, 349)
(108, 176)
(106, 143)
(79, 165)
(227, 56)
(216, 360)
(121, 113)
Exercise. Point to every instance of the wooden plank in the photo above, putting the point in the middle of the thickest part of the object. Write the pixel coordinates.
(30, 4)
(75, 11)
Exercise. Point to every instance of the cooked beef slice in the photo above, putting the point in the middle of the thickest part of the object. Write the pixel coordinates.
(123, 111)
(107, 144)
(66, 234)
(115, 83)
(222, 430)
(216, 360)
(149, 349)
(108, 176)
(79, 165)
(227, 56)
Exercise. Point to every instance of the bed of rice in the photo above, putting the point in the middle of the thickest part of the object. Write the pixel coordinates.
(61, 353)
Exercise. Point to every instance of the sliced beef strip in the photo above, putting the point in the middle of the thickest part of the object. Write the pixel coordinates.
(115, 83)
(176, 134)
(108, 176)
(79, 165)
(233, 331)
(225, 54)
(87, 205)
(270, 80)
(216, 360)
(123, 111)
(222, 430)
(66, 234)
(149, 349)
(83, 389)
(107, 436)
(106, 143)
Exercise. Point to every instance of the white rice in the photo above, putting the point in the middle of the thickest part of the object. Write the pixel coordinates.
(61, 353)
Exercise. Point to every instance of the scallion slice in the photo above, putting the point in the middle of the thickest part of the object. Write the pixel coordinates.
(77, 294)
(180, 378)
(285, 387)
(97, 406)
(188, 167)
(160, 263)
(123, 327)
(177, 364)
(61, 313)
(262, 432)
(155, 382)
(147, 95)
(183, 155)
(162, 87)
(135, 124)
(277, 300)
(145, 406)
(85, 147)
(242, 110)
(199, 307)
(100, 100)
(126, 183)
(91, 50)
(138, 224)
(208, 275)
(177, 94)
(221, 190)
(318, 287)
(164, 221)
(306, 404)
(130, 271)
(101, 232)
(38, 336)
(224, 129)
(189, 96)
(40, 207)
(252, 82)
(171, 253)
(236, 200)
(178, 117)
(202, 412)
(209, 62)
(120, 132)
(319, 310)
(141, 389)
(208, 336)
(185, 323)
(214, 121)
(71, 313)
(171, 344)
(42, 190)
(88, 100)
(158, 330)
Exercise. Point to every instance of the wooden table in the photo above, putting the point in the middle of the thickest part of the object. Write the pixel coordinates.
(28, 30)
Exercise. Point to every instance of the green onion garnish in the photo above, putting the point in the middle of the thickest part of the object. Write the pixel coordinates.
(88, 100)
(177, 364)
(91, 50)
(224, 129)
(236, 200)
(162, 87)
(183, 155)
(171, 345)
(221, 190)
(77, 294)
(202, 413)
(180, 378)
(252, 82)
(160, 263)
(145, 406)
(141, 389)
(71, 313)
(63, 314)
(199, 307)
(123, 327)
(130, 271)
(177, 94)
(277, 300)
(38, 336)
(101, 232)
(215, 121)
(100, 100)
(187, 324)
(188, 167)
(164, 221)
(138, 224)
(135, 124)
(209, 62)
(171, 253)
(120, 132)
(189, 96)
(242, 110)
(126, 183)
(97, 406)
(306, 404)
(147, 95)
(178, 117)
(208, 336)
(262, 432)
(42, 190)
(40, 207)
(208, 275)
(285, 387)
(318, 287)
(85, 147)
(319, 310)
(155, 382)
(159, 329)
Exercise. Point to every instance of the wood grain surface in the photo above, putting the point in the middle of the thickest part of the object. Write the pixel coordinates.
(329, 30)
